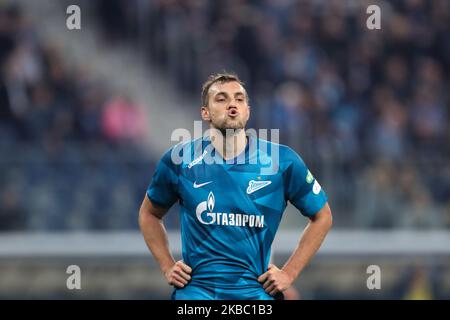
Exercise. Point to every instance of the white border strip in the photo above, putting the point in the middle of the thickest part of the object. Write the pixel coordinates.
(357, 243)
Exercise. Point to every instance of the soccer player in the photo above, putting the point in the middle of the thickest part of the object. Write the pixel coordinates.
(230, 210)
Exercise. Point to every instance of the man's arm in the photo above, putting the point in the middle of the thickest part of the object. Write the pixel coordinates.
(275, 280)
(155, 236)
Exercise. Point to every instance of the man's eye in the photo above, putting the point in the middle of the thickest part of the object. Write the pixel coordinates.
(221, 100)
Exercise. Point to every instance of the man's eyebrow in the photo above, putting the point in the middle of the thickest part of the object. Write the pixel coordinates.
(223, 93)
(226, 93)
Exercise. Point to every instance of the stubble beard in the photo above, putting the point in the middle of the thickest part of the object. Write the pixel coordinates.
(229, 125)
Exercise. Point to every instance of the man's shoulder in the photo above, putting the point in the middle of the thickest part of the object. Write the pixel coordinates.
(284, 152)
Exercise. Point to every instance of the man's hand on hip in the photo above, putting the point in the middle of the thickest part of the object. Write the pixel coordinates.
(275, 280)
(178, 275)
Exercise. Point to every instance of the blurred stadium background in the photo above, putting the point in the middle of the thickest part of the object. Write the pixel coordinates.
(85, 115)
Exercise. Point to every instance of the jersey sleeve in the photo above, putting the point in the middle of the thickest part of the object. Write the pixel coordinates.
(163, 188)
(301, 188)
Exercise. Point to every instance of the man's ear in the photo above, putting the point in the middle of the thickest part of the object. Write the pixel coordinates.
(205, 113)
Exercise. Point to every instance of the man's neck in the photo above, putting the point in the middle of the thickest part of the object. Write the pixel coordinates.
(229, 145)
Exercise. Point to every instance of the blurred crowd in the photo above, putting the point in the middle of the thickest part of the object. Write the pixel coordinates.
(367, 109)
(70, 146)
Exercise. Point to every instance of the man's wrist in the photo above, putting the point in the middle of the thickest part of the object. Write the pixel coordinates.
(291, 273)
(166, 266)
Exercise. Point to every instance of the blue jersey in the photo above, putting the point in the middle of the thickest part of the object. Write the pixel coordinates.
(231, 210)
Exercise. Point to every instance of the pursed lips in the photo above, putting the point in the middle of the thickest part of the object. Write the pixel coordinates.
(233, 112)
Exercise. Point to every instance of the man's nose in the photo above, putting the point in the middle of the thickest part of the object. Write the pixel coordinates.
(232, 104)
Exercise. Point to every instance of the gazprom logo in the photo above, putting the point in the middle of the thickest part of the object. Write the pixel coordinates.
(225, 219)
(202, 206)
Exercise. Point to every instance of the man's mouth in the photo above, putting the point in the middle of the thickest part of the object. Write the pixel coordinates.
(233, 113)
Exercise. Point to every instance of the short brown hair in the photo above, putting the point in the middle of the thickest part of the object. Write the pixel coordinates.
(222, 78)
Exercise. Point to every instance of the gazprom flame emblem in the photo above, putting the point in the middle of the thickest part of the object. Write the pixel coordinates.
(211, 201)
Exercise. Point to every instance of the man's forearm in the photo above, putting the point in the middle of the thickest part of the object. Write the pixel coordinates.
(310, 242)
(155, 237)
